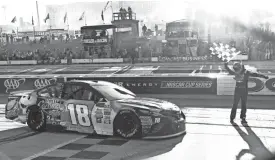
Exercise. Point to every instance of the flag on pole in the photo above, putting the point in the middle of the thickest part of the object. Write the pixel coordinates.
(65, 17)
(102, 16)
(106, 5)
(224, 52)
(13, 20)
(47, 17)
(82, 16)
(32, 21)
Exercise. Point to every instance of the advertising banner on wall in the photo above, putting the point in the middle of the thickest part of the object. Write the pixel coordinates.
(18, 84)
(186, 59)
(162, 85)
(256, 86)
(259, 86)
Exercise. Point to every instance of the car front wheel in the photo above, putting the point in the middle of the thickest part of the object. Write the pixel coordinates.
(36, 120)
(127, 124)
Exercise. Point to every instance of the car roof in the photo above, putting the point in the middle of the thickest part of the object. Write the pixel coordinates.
(93, 82)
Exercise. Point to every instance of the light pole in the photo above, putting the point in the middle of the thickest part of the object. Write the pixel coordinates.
(4, 10)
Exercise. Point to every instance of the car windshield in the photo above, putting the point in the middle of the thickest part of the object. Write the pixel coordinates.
(114, 92)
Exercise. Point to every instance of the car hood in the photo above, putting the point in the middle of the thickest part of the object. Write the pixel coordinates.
(151, 103)
(21, 93)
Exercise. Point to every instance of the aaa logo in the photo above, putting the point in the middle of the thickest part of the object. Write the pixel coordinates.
(43, 82)
(13, 83)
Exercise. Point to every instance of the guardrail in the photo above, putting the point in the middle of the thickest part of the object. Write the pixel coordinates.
(215, 84)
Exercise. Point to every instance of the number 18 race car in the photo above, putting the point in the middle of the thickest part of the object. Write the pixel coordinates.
(95, 107)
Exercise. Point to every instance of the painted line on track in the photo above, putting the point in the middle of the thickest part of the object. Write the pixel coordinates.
(53, 148)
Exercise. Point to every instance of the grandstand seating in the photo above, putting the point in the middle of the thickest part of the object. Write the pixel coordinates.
(75, 45)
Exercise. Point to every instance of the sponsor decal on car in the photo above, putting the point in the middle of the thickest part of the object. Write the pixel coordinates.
(107, 112)
(157, 120)
(146, 120)
(99, 115)
(52, 120)
(146, 129)
(43, 82)
(55, 113)
(51, 104)
(107, 120)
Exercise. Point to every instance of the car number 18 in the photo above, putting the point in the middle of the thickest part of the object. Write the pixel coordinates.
(79, 113)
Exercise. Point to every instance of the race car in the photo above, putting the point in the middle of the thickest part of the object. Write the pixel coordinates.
(95, 107)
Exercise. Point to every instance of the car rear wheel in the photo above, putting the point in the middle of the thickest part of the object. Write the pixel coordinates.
(36, 120)
(127, 124)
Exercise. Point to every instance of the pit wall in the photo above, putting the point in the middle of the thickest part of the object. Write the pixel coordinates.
(153, 84)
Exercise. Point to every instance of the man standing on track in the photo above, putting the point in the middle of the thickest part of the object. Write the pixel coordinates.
(241, 89)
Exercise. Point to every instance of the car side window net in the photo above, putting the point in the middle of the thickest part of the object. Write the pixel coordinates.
(87, 95)
(71, 91)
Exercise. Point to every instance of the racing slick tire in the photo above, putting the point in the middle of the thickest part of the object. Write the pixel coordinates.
(127, 124)
(36, 120)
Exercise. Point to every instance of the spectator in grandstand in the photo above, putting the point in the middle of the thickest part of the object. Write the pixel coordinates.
(120, 13)
(261, 50)
(130, 12)
(93, 34)
(268, 51)
(7, 38)
(156, 29)
(103, 33)
(144, 29)
(11, 38)
(132, 55)
(241, 89)
(124, 13)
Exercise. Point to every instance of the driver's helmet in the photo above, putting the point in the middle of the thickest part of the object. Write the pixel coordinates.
(237, 66)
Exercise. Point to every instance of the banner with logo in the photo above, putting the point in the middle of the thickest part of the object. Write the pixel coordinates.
(186, 59)
(17, 84)
(162, 85)
(259, 86)
(256, 86)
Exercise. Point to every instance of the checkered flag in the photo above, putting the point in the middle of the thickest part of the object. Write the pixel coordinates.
(224, 52)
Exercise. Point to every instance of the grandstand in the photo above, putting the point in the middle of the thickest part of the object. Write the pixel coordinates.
(74, 44)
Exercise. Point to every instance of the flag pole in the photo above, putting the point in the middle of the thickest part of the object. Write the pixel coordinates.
(67, 22)
(33, 28)
(33, 32)
(112, 10)
(85, 19)
(50, 36)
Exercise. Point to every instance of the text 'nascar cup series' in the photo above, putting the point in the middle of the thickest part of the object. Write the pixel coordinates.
(96, 107)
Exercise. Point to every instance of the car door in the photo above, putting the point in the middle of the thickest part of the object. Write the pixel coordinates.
(79, 105)
(49, 100)
(102, 115)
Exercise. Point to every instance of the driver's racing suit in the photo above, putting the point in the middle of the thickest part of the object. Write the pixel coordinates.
(241, 90)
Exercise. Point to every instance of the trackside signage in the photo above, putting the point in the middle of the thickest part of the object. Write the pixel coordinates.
(186, 84)
(16, 84)
(259, 86)
(256, 86)
(163, 85)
